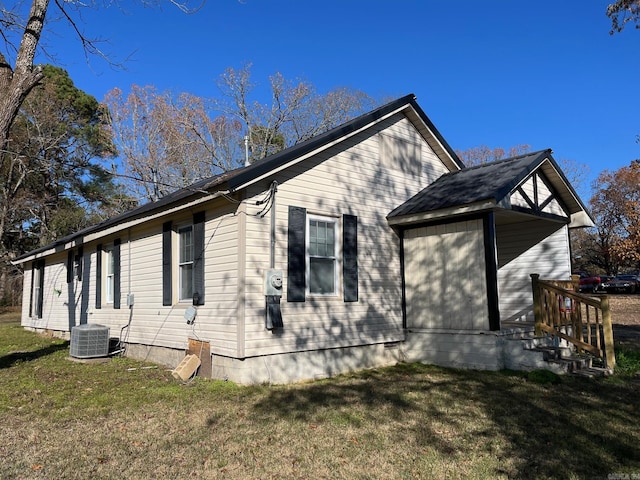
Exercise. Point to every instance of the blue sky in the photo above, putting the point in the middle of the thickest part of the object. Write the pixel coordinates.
(491, 72)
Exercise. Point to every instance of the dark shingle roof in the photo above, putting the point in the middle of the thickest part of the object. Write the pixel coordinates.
(279, 159)
(235, 179)
(491, 181)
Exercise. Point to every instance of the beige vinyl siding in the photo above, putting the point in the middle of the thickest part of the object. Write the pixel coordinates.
(531, 247)
(349, 178)
(155, 324)
(106, 315)
(26, 294)
(445, 277)
(55, 314)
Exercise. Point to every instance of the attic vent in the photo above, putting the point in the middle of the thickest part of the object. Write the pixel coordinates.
(88, 341)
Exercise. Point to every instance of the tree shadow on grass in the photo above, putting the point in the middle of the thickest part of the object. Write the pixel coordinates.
(627, 336)
(575, 428)
(13, 358)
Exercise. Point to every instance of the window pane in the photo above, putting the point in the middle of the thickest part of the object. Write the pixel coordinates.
(321, 256)
(110, 289)
(322, 275)
(111, 265)
(313, 237)
(36, 292)
(313, 230)
(186, 281)
(186, 263)
(109, 285)
(330, 239)
(186, 245)
(322, 232)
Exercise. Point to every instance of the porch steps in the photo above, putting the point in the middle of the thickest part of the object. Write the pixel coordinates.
(547, 353)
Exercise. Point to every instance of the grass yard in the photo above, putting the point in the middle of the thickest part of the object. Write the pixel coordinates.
(124, 419)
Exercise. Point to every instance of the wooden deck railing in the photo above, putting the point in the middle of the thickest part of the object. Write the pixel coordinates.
(583, 320)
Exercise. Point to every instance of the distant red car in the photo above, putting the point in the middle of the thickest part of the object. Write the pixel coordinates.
(589, 283)
(622, 284)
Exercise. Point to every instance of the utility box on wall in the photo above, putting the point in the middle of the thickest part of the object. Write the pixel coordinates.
(273, 293)
(273, 282)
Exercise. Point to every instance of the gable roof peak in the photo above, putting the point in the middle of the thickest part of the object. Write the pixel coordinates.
(539, 153)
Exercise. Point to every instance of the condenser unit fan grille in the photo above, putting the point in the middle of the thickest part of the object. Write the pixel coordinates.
(89, 341)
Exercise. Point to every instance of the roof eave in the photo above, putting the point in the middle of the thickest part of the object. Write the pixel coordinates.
(435, 215)
(113, 226)
(454, 163)
(581, 219)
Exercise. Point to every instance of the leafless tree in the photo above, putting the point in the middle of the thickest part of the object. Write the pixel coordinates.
(296, 112)
(22, 26)
(168, 141)
(622, 12)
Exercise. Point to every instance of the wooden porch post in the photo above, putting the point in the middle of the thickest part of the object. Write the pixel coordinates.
(491, 269)
(575, 282)
(607, 330)
(537, 307)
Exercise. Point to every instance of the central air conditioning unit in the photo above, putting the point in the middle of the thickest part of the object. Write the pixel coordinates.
(89, 341)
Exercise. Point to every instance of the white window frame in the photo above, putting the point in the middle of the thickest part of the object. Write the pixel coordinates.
(336, 255)
(180, 264)
(37, 273)
(109, 274)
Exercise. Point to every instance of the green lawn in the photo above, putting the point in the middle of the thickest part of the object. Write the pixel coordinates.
(121, 419)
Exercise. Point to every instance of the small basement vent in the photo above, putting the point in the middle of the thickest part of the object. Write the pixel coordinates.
(89, 341)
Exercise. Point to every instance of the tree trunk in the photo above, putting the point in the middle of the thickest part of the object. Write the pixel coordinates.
(16, 84)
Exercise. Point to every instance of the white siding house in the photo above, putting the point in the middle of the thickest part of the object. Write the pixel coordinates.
(386, 248)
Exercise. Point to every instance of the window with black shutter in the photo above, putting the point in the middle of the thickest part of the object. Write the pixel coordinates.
(313, 254)
(167, 277)
(36, 303)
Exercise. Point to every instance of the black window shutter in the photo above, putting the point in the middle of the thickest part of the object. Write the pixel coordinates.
(116, 273)
(79, 262)
(296, 257)
(34, 265)
(99, 276)
(167, 293)
(198, 258)
(41, 293)
(70, 266)
(350, 257)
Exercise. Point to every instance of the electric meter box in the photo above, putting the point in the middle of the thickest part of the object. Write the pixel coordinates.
(273, 282)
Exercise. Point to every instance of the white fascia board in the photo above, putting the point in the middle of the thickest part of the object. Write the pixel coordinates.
(119, 227)
(42, 254)
(453, 166)
(134, 222)
(581, 219)
(443, 213)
